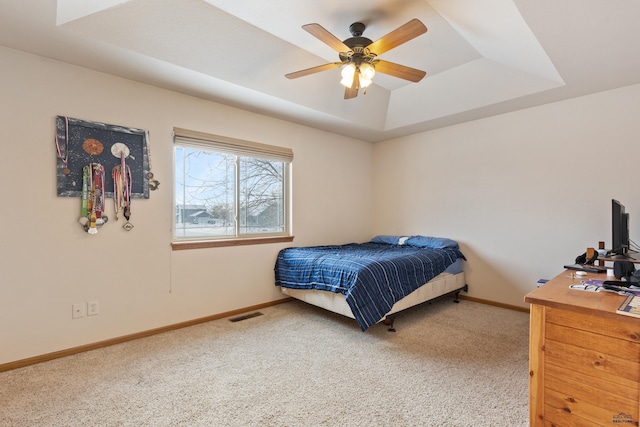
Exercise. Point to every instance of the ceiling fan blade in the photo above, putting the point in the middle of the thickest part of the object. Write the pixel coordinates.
(319, 32)
(352, 92)
(400, 71)
(402, 34)
(313, 70)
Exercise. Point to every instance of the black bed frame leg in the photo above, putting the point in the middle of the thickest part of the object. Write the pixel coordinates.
(464, 288)
(388, 321)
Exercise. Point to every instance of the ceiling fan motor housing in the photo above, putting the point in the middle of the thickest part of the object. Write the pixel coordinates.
(354, 42)
(356, 29)
(357, 44)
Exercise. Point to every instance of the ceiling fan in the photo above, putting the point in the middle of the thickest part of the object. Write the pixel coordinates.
(359, 55)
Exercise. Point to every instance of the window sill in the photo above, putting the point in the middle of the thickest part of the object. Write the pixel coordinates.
(179, 246)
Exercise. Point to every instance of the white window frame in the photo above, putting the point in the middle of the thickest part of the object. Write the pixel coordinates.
(222, 144)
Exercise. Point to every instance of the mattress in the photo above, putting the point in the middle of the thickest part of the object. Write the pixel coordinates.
(442, 284)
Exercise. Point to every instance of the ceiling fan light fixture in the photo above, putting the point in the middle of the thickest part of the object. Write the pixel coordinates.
(364, 82)
(347, 75)
(367, 71)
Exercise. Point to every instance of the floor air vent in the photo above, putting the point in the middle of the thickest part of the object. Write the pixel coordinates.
(245, 316)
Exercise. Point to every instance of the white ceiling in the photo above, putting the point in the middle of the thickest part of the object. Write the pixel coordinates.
(481, 57)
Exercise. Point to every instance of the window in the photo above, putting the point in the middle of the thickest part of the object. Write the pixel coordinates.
(229, 191)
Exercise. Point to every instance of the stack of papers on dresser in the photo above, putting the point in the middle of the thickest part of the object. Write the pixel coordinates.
(597, 285)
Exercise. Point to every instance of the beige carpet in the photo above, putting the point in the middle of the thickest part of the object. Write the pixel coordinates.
(447, 365)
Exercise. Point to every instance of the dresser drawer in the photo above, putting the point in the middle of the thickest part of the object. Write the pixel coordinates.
(591, 370)
(617, 326)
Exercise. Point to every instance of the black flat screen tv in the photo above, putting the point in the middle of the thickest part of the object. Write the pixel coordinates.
(619, 228)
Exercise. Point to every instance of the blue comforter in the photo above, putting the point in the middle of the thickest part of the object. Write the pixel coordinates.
(373, 276)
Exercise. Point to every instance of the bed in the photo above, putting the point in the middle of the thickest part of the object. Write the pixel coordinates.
(371, 282)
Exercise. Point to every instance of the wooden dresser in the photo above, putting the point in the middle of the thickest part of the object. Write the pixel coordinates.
(584, 359)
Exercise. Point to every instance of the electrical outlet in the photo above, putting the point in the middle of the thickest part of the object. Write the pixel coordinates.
(93, 308)
(78, 311)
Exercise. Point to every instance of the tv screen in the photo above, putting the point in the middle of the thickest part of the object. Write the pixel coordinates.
(619, 228)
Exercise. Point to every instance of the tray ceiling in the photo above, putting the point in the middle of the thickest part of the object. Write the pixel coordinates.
(481, 58)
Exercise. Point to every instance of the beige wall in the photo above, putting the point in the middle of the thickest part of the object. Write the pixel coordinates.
(524, 193)
(48, 262)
